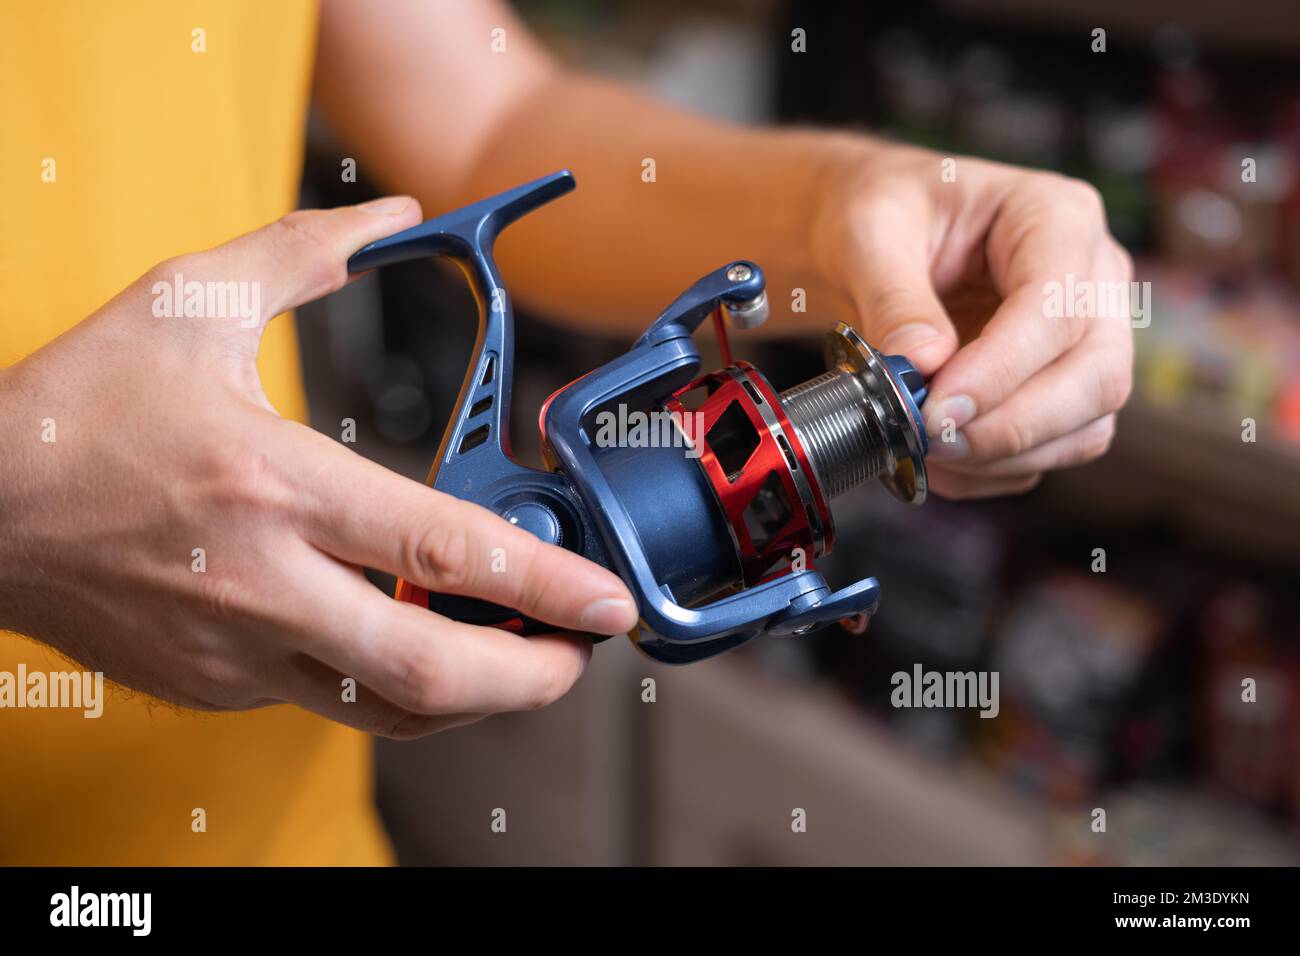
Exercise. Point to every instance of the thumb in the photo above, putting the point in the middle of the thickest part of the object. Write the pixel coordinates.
(900, 313)
(293, 260)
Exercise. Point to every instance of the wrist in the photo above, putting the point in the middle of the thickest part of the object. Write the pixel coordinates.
(871, 184)
(845, 161)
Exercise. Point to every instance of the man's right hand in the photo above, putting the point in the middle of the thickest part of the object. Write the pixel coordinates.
(164, 443)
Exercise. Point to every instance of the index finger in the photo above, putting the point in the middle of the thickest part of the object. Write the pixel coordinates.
(364, 514)
(1036, 268)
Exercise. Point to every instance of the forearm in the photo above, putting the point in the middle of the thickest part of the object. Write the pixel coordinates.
(452, 102)
(663, 197)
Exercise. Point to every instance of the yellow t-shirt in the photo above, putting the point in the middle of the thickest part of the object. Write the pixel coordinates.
(163, 140)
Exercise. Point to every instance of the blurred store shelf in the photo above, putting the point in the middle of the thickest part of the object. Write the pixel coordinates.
(1189, 466)
(565, 777)
(710, 773)
(714, 770)
(733, 753)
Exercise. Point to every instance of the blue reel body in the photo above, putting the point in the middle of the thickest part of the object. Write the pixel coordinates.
(649, 514)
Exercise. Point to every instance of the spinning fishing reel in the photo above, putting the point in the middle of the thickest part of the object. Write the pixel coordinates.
(714, 520)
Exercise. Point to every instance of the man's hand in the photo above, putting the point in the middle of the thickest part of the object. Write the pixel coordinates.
(951, 273)
(163, 443)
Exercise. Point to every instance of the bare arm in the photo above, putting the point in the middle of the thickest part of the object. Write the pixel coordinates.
(417, 90)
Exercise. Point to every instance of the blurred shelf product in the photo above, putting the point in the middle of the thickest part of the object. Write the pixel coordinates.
(1070, 651)
(1251, 697)
(1168, 826)
(1210, 439)
(943, 564)
(1223, 356)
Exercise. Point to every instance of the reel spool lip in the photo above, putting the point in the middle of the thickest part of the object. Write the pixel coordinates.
(909, 481)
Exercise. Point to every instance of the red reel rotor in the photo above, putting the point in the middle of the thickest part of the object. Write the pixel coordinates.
(758, 468)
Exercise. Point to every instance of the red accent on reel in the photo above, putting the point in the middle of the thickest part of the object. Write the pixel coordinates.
(548, 456)
(410, 593)
(758, 468)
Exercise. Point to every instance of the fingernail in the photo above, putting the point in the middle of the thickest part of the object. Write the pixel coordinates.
(908, 338)
(949, 414)
(609, 616)
(387, 206)
(949, 450)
